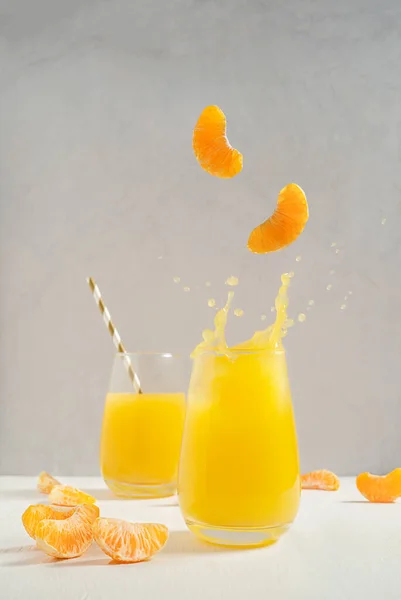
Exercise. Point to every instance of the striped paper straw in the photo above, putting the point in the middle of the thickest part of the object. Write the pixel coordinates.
(114, 333)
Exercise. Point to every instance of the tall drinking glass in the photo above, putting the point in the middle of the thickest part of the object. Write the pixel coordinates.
(239, 482)
(141, 433)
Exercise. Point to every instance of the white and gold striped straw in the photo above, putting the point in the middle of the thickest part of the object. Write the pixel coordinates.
(114, 333)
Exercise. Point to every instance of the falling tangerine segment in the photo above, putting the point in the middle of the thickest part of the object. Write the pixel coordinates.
(127, 542)
(212, 149)
(320, 480)
(380, 488)
(285, 224)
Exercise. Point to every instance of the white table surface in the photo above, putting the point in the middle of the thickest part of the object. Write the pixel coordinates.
(340, 547)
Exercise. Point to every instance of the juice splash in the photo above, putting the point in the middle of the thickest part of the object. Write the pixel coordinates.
(239, 481)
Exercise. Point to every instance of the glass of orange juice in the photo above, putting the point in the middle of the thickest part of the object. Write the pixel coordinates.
(239, 481)
(142, 431)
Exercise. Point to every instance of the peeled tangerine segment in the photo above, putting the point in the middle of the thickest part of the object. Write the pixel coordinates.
(320, 480)
(380, 488)
(127, 542)
(46, 483)
(65, 495)
(68, 538)
(285, 224)
(38, 512)
(211, 146)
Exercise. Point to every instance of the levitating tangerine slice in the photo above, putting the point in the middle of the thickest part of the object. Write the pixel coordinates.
(211, 146)
(65, 495)
(129, 542)
(380, 488)
(68, 538)
(286, 223)
(46, 482)
(320, 480)
(37, 512)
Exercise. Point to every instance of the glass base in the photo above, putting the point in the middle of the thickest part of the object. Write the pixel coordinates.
(239, 537)
(136, 490)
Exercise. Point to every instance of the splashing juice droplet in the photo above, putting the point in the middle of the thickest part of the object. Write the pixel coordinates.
(272, 308)
(349, 293)
(301, 317)
(291, 274)
(343, 306)
(187, 289)
(211, 302)
(208, 284)
(298, 258)
(232, 280)
(176, 279)
(238, 312)
(333, 244)
(383, 221)
(263, 317)
(311, 302)
(288, 323)
(328, 287)
(345, 297)
(337, 251)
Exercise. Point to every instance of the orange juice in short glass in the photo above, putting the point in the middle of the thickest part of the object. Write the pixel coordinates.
(141, 433)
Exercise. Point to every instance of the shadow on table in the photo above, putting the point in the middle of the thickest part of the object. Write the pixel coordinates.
(184, 542)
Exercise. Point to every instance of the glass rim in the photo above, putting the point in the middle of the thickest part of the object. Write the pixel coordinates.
(150, 354)
(235, 352)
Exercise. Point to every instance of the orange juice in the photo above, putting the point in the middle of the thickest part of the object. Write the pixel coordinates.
(239, 481)
(141, 439)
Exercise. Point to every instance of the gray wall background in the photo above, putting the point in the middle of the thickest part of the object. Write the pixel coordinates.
(98, 102)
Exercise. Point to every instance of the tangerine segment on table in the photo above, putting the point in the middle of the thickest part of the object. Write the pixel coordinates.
(68, 538)
(127, 542)
(46, 483)
(380, 488)
(65, 495)
(38, 512)
(285, 224)
(211, 146)
(320, 480)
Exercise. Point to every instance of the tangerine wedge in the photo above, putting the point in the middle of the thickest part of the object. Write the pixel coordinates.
(70, 537)
(320, 480)
(380, 488)
(212, 149)
(285, 224)
(65, 495)
(127, 542)
(38, 512)
(46, 483)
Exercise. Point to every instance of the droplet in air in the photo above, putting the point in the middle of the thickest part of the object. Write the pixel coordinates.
(301, 317)
(333, 244)
(211, 302)
(311, 302)
(187, 289)
(332, 272)
(345, 297)
(176, 279)
(289, 323)
(232, 280)
(272, 309)
(337, 251)
(328, 287)
(263, 317)
(208, 284)
(238, 312)
(349, 293)
(291, 274)
(383, 221)
(298, 258)
(343, 306)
